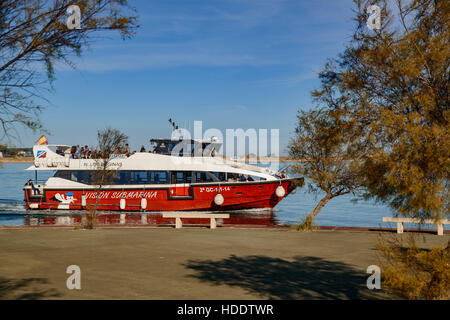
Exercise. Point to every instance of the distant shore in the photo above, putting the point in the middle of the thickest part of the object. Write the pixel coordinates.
(17, 160)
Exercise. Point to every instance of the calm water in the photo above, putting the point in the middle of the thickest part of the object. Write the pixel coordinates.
(340, 211)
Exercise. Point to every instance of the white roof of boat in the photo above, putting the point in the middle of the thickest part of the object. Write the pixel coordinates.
(57, 145)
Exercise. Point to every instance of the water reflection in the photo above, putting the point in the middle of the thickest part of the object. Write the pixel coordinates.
(263, 218)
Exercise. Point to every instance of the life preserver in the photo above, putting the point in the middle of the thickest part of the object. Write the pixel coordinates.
(143, 203)
(122, 204)
(218, 199)
(280, 192)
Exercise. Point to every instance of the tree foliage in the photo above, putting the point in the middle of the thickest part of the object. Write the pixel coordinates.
(104, 172)
(329, 154)
(392, 84)
(34, 37)
(412, 272)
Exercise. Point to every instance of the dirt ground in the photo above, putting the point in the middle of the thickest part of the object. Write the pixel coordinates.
(190, 263)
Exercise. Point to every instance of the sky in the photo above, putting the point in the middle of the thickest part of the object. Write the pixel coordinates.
(229, 63)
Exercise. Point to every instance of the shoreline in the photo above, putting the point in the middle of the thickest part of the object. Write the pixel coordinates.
(16, 160)
(236, 226)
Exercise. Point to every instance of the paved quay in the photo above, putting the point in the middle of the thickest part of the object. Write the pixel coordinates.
(190, 263)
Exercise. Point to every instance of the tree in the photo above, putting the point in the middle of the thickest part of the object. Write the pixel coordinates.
(329, 155)
(393, 83)
(104, 172)
(392, 86)
(412, 272)
(34, 35)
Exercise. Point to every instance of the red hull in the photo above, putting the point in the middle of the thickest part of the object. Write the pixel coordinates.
(197, 197)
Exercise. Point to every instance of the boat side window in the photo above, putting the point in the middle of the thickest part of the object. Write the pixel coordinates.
(200, 176)
(83, 177)
(80, 176)
(63, 174)
(221, 176)
(255, 178)
(181, 177)
(138, 177)
(206, 176)
(121, 177)
(159, 177)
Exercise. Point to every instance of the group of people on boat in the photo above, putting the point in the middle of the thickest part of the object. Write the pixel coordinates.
(85, 152)
(233, 177)
(77, 152)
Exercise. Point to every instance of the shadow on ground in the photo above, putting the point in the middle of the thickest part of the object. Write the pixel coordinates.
(297, 278)
(26, 289)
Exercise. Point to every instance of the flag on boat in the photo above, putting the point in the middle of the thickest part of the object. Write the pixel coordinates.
(42, 140)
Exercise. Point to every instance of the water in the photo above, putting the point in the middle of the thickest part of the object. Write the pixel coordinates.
(340, 211)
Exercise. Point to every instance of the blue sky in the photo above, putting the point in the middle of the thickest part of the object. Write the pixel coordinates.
(230, 63)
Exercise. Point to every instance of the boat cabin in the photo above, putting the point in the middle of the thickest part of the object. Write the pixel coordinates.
(186, 147)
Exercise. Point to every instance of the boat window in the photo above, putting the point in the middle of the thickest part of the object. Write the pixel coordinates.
(138, 177)
(162, 148)
(76, 176)
(181, 177)
(202, 177)
(159, 177)
(220, 175)
(255, 178)
(121, 177)
(63, 174)
(83, 177)
(206, 176)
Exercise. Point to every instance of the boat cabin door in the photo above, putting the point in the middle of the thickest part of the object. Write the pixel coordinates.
(181, 181)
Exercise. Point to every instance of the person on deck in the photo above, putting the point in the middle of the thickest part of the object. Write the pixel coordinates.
(33, 188)
(77, 152)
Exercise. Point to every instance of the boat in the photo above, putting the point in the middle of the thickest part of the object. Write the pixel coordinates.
(166, 179)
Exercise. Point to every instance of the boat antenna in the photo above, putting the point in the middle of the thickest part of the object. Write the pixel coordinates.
(174, 125)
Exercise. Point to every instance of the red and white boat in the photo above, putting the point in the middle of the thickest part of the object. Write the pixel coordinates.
(158, 181)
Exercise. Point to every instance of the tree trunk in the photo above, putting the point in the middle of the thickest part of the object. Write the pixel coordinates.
(319, 206)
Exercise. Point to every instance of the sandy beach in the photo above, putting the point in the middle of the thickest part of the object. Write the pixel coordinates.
(189, 263)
